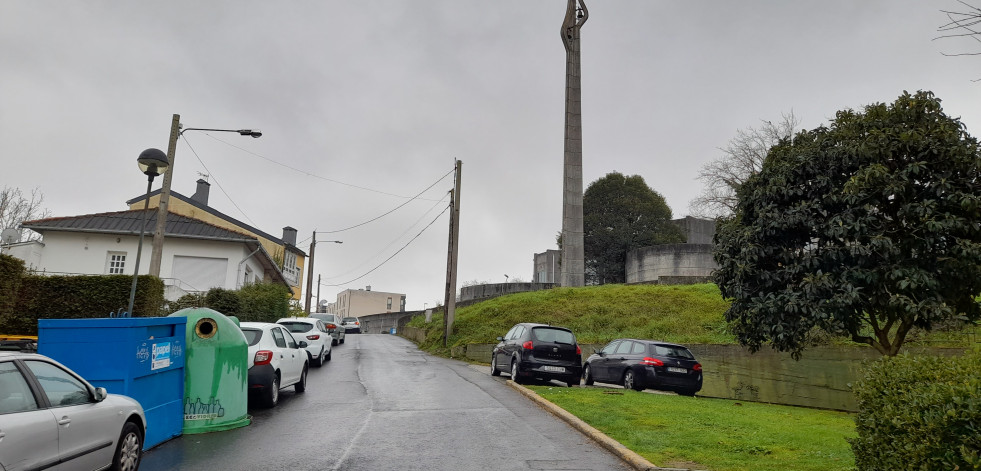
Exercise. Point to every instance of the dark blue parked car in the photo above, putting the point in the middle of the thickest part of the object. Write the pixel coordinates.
(645, 364)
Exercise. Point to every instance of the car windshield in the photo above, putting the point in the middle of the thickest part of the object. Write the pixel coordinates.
(674, 352)
(298, 327)
(252, 335)
(548, 334)
(350, 319)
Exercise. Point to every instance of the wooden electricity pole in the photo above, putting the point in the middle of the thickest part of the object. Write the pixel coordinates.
(313, 245)
(449, 307)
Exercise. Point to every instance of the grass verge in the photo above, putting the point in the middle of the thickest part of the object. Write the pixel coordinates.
(713, 434)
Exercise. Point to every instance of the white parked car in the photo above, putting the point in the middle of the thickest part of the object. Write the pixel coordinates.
(275, 361)
(351, 325)
(312, 331)
(52, 418)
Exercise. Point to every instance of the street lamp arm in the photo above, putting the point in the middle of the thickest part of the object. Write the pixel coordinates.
(245, 132)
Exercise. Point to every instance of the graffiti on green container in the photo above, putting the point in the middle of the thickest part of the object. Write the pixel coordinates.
(203, 411)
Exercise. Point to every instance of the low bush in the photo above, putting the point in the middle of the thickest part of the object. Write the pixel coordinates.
(919, 412)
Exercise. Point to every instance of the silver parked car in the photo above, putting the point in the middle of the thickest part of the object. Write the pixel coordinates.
(333, 323)
(52, 418)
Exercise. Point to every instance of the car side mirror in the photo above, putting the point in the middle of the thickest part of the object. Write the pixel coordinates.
(500, 339)
(601, 353)
(100, 394)
(303, 344)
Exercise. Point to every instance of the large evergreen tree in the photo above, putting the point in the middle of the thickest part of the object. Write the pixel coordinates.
(866, 228)
(621, 213)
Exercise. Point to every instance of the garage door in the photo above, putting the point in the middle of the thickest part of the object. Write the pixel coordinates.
(200, 273)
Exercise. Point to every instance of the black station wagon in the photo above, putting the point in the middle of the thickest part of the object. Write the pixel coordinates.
(641, 364)
(538, 351)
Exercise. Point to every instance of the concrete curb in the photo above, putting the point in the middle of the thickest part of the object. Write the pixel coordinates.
(633, 459)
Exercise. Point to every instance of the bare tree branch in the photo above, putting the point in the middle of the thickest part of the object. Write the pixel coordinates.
(16, 208)
(742, 158)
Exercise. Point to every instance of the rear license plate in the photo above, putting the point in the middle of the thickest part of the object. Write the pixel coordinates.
(554, 369)
(672, 369)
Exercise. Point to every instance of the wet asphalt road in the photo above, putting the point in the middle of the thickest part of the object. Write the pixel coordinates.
(381, 404)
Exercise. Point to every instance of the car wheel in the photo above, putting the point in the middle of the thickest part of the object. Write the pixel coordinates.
(333, 341)
(515, 372)
(302, 385)
(573, 381)
(630, 381)
(270, 395)
(319, 361)
(329, 352)
(494, 370)
(342, 340)
(129, 450)
(587, 376)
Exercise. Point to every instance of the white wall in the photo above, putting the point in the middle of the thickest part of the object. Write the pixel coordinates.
(81, 253)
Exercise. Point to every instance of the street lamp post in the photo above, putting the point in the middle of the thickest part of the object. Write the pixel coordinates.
(152, 162)
(158, 234)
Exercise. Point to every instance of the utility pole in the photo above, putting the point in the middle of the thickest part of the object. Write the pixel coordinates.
(156, 254)
(313, 245)
(573, 268)
(318, 294)
(451, 258)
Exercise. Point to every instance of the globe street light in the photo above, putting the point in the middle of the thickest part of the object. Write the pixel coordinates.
(152, 162)
(156, 255)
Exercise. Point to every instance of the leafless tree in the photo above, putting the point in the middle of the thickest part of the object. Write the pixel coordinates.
(962, 24)
(740, 159)
(16, 208)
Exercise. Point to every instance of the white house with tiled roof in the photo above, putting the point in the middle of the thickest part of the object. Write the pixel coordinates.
(197, 255)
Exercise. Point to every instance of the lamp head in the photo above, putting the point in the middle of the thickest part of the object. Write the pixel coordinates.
(153, 162)
(250, 132)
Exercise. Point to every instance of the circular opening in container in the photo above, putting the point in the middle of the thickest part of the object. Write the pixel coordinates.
(206, 328)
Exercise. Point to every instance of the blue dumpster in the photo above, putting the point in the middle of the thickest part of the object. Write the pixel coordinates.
(140, 357)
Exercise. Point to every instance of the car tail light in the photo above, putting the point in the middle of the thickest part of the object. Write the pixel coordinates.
(578, 350)
(263, 357)
(331, 326)
(528, 345)
(357, 323)
(313, 337)
(697, 367)
(648, 361)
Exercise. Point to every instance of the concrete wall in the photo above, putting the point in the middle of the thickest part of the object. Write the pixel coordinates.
(546, 267)
(697, 231)
(493, 290)
(650, 264)
(822, 378)
(383, 323)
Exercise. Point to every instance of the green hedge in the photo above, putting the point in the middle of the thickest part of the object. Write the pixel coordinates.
(78, 297)
(11, 274)
(259, 302)
(919, 413)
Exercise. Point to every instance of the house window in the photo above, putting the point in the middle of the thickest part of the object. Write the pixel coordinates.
(290, 270)
(248, 275)
(389, 303)
(116, 263)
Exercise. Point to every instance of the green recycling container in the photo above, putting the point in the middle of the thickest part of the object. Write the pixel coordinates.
(216, 372)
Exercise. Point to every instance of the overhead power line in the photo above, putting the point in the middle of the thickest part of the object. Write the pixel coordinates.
(393, 255)
(392, 210)
(215, 178)
(396, 239)
(309, 174)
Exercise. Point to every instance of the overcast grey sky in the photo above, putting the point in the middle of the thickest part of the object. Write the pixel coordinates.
(384, 95)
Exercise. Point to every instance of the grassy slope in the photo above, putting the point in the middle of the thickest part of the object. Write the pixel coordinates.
(686, 314)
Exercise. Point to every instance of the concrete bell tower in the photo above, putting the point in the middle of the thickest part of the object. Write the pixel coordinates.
(573, 266)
